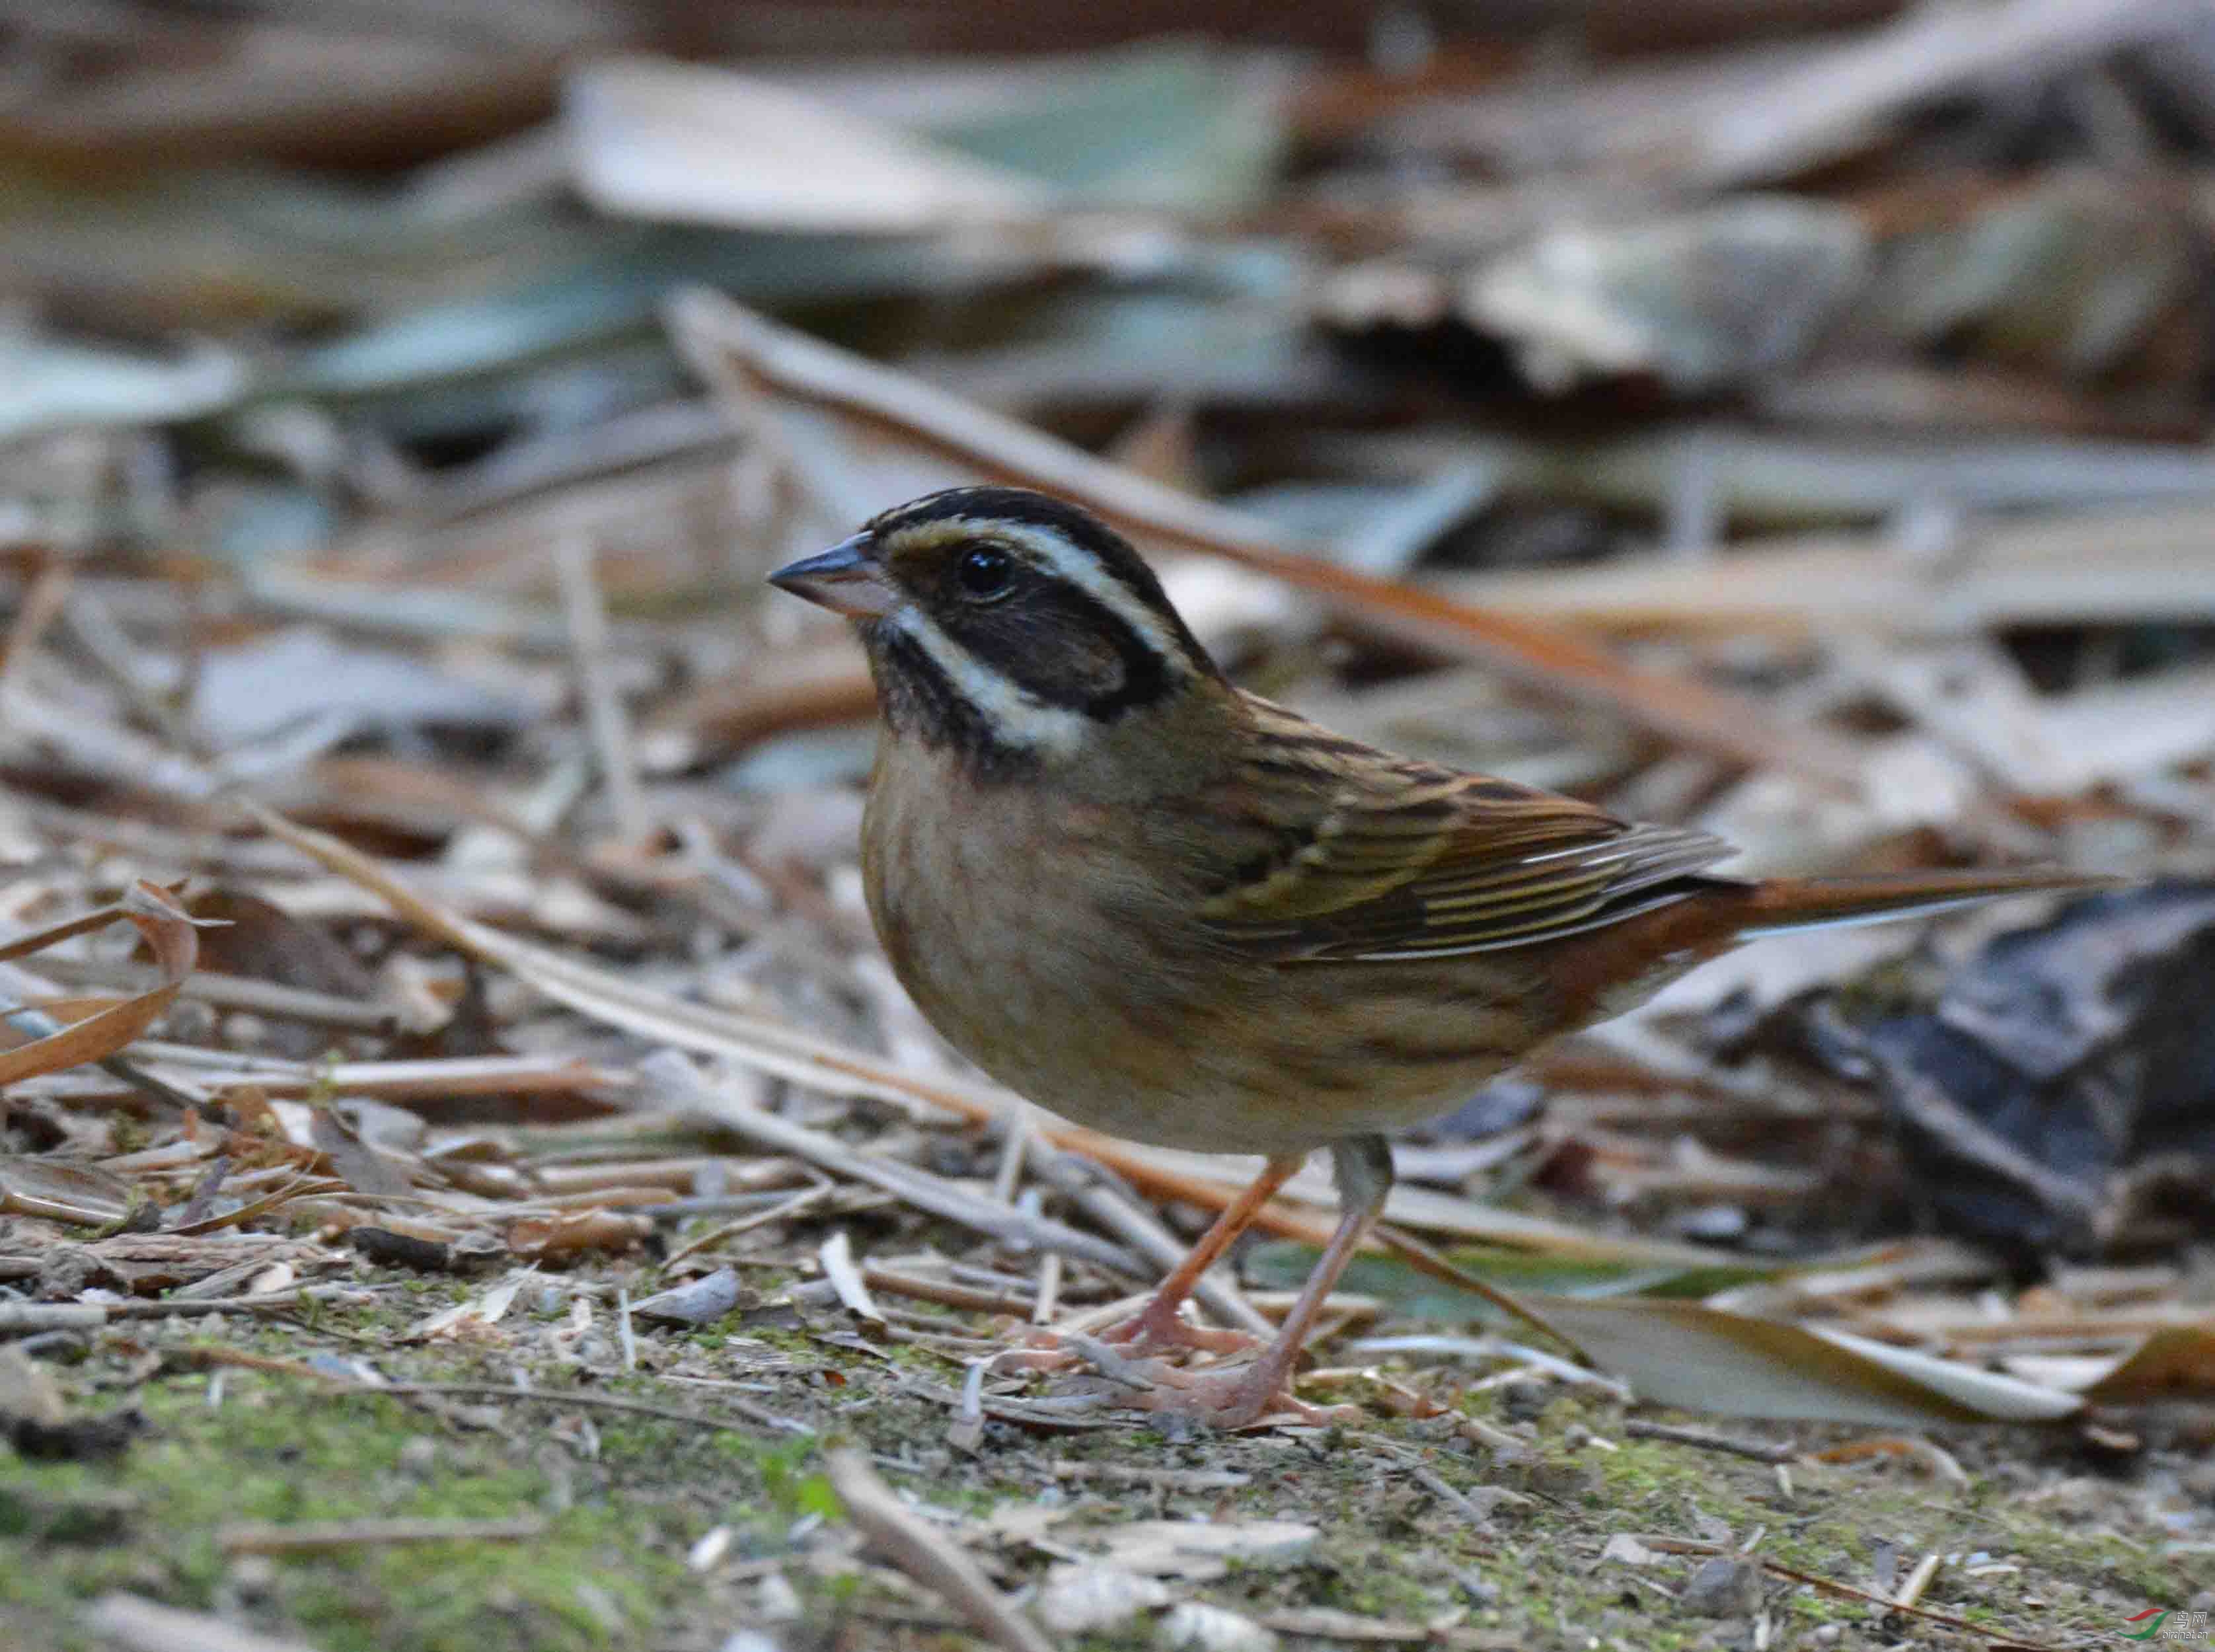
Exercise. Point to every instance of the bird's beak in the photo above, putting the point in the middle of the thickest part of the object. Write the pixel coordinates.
(845, 579)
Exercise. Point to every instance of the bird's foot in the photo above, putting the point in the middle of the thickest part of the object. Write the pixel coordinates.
(1235, 1398)
(1154, 1328)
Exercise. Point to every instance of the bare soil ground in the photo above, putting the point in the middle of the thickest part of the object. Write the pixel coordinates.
(2042, 1541)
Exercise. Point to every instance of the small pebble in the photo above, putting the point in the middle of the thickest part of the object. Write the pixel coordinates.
(777, 1601)
(1717, 1224)
(1727, 1587)
(600, 1606)
(1203, 1628)
(1526, 1402)
(1090, 1599)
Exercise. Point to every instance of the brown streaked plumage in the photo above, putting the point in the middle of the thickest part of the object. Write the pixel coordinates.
(1171, 910)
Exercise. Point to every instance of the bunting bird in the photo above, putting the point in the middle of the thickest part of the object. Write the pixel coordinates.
(1171, 910)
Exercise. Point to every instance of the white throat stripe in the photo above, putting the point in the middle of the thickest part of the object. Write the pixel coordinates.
(1017, 716)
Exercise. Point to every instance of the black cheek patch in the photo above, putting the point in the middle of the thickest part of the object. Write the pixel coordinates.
(919, 698)
(1065, 649)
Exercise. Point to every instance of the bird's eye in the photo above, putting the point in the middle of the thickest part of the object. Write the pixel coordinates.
(985, 574)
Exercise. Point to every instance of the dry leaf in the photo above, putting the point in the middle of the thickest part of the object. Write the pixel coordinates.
(155, 913)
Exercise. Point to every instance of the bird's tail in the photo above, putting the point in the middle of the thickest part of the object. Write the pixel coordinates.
(1781, 906)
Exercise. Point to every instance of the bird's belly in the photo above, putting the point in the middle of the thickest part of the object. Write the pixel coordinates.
(1026, 973)
(1230, 1072)
(1102, 1002)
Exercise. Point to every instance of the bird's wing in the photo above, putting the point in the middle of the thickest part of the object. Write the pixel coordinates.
(1376, 857)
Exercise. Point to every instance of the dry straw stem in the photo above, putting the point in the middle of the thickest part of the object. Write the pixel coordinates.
(928, 1556)
(610, 723)
(758, 1041)
(309, 1537)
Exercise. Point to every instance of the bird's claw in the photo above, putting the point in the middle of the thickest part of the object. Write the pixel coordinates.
(1234, 1396)
(1151, 1331)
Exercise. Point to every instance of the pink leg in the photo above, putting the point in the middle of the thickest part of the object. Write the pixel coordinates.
(1230, 1399)
(1160, 1324)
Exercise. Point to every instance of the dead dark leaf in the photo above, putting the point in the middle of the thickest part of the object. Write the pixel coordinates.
(2056, 1064)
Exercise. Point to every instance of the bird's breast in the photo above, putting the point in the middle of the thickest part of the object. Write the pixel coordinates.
(1029, 935)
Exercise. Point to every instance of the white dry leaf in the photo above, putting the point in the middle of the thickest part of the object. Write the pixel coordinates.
(653, 139)
(1701, 300)
(1203, 1628)
(836, 1257)
(775, 1601)
(474, 1314)
(696, 1302)
(278, 1276)
(258, 690)
(1204, 1549)
(51, 384)
(710, 1549)
(1025, 1522)
(1224, 604)
(1079, 1599)
(1627, 1551)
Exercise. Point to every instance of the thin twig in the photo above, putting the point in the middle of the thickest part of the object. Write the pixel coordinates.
(604, 709)
(928, 1556)
(1085, 1184)
(678, 1079)
(260, 998)
(1468, 1507)
(745, 1409)
(1063, 1468)
(778, 1212)
(1759, 1451)
(1670, 1546)
(26, 1318)
(256, 1537)
(944, 1293)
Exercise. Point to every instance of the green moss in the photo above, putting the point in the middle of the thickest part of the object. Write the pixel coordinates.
(622, 1507)
(607, 1570)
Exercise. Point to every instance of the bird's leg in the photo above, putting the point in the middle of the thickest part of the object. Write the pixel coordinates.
(1232, 1399)
(1160, 1324)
